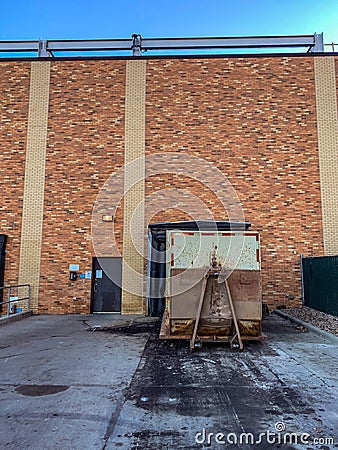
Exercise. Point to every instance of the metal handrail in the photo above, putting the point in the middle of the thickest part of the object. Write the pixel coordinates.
(16, 299)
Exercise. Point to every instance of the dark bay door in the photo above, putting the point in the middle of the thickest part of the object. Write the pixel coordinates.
(3, 240)
(106, 282)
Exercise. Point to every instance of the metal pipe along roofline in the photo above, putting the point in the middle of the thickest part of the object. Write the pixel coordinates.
(137, 44)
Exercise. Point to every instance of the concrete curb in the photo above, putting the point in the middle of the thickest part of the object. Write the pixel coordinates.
(15, 317)
(325, 334)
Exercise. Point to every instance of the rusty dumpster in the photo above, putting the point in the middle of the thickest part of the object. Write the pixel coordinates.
(213, 286)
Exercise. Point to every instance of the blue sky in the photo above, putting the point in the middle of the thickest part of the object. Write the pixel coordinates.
(75, 19)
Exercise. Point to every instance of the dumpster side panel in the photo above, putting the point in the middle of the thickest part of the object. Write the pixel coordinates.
(245, 288)
(231, 250)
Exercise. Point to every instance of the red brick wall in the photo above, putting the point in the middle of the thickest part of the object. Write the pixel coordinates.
(14, 97)
(85, 146)
(255, 119)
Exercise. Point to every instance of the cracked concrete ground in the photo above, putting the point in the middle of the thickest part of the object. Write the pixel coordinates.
(63, 387)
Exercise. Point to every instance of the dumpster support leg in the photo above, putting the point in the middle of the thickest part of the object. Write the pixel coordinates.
(198, 314)
(233, 312)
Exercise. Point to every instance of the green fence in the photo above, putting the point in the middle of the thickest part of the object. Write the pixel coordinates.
(320, 283)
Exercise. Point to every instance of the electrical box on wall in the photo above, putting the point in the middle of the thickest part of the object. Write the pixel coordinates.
(72, 276)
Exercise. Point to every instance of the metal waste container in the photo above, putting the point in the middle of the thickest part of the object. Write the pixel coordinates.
(213, 286)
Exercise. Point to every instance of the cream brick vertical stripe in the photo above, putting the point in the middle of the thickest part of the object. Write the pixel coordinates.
(327, 125)
(34, 184)
(133, 225)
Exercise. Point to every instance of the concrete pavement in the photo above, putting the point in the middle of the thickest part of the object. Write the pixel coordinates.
(63, 387)
(54, 351)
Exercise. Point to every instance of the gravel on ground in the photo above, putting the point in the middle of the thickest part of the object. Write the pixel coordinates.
(316, 318)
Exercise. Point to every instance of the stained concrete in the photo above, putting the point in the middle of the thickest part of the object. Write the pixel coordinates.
(58, 351)
(63, 387)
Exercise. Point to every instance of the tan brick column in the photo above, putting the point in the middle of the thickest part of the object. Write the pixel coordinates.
(34, 185)
(133, 227)
(327, 125)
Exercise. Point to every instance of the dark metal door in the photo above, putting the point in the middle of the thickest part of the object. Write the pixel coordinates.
(320, 275)
(106, 285)
(3, 240)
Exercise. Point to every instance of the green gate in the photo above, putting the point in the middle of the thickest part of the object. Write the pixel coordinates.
(320, 283)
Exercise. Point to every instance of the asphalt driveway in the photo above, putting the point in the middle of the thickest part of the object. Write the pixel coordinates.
(64, 387)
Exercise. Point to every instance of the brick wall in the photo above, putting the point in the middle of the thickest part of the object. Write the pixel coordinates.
(34, 184)
(14, 99)
(253, 118)
(327, 126)
(85, 146)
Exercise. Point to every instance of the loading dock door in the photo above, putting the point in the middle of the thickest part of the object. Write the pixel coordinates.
(106, 282)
